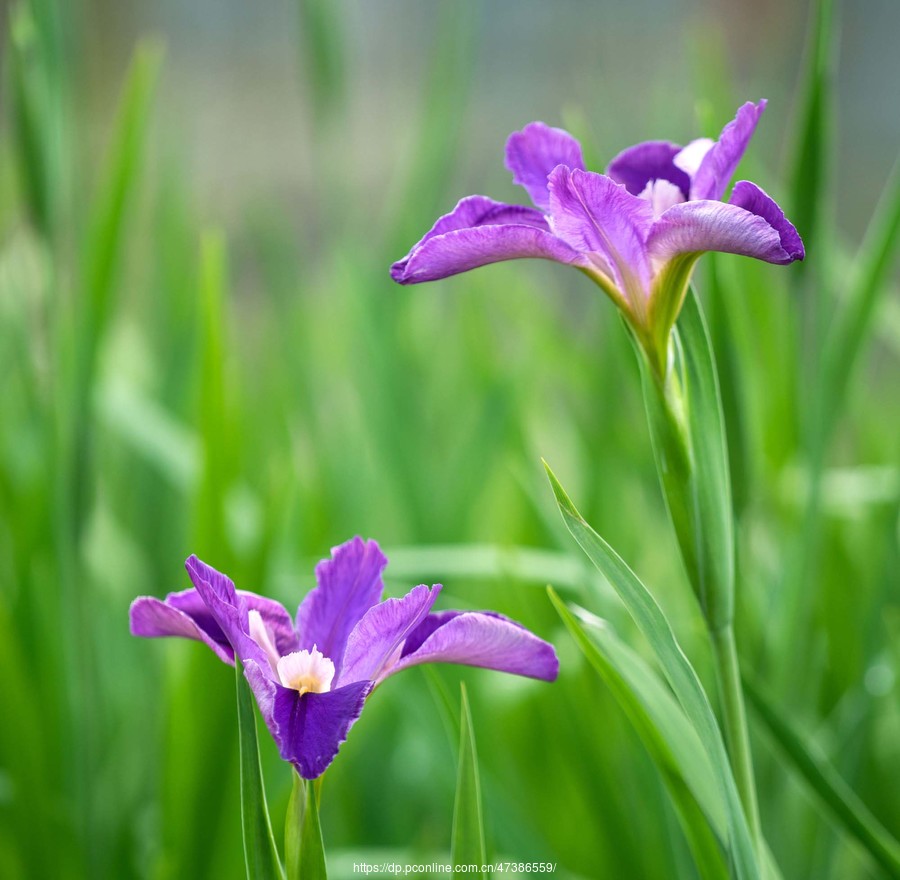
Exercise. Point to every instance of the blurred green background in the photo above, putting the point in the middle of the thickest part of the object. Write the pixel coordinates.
(201, 351)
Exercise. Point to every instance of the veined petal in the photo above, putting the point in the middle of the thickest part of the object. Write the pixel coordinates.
(482, 211)
(349, 584)
(652, 160)
(751, 198)
(706, 225)
(533, 152)
(154, 618)
(228, 609)
(309, 728)
(480, 231)
(476, 638)
(595, 215)
(720, 161)
(382, 631)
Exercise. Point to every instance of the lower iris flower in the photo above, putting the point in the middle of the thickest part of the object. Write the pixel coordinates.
(311, 678)
(637, 230)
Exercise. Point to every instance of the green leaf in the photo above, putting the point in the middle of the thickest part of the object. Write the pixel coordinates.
(677, 669)
(105, 243)
(664, 729)
(467, 844)
(322, 54)
(260, 852)
(217, 474)
(29, 100)
(103, 253)
(304, 850)
(811, 152)
(688, 432)
(876, 258)
(835, 796)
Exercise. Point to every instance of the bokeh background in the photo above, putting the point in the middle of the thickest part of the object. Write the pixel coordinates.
(201, 351)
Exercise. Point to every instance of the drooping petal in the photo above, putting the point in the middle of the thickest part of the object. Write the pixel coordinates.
(380, 634)
(533, 152)
(477, 232)
(154, 618)
(309, 728)
(349, 584)
(594, 214)
(651, 160)
(720, 161)
(752, 198)
(475, 638)
(699, 226)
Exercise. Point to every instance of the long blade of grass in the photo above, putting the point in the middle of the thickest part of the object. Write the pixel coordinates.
(835, 796)
(104, 245)
(813, 140)
(876, 258)
(467, 840)
(665, 731)
(260, 852)
(304, 849)
(678, 670)
(29, 106)
(217, 476)
(321, 51)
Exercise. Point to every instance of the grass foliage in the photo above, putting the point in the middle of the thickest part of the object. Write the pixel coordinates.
(256, 397)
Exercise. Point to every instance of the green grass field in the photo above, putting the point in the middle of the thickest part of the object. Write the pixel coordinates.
(252, 387)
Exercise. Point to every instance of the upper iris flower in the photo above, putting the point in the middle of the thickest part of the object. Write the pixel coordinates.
(312, 679)
(636, 230)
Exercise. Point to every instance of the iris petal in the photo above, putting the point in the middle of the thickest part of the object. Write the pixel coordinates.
(706, 225)
(533, 152)
(474, 638)
(480, 231)
(382, 631)
(153, 618)
(637, 166)
(349, 584)
(721, 160)
(595, 215)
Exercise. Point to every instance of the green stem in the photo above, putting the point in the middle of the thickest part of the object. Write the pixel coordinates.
(735, 720)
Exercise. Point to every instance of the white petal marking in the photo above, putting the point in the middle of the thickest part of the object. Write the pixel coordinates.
(306, 671)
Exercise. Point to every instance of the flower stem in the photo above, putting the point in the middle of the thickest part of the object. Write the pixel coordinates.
(735, 722)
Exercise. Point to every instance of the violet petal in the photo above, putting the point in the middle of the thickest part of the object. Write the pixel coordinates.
(594, 214)
(310, 728)
(721, 160)
(533, 152)
(477, 232)
(154, 618)
(382, 631)
(466, 249)
(227, 609)
(490, 641)
(651, 160)
(695, 227)
(753, 199)
(349, 584)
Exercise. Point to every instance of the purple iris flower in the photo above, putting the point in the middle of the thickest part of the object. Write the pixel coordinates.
(311, 679)
(636, 230)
